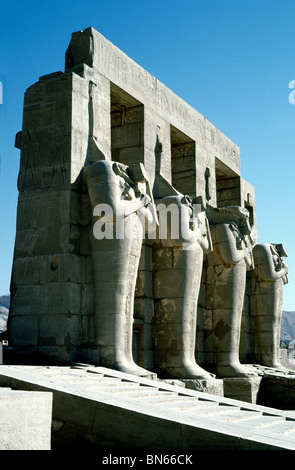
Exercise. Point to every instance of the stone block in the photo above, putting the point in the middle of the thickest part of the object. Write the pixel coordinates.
(278, 389)
(167, 283)
(23, 212)
(44, 240)
(214, 386)
(52, 353)
(181, 162)
(239, 388)
(24, 330)
(64, 268)
(163, 308)
(74, 329)
(223, 295)
(85, 244)
(53, 330)
(163, 258)
(127, 136)
(87, 299)
(25, 420)
(63, 297)
(184, 182)
(25, 241)
(128, 115)
(88, 334)
(27, 270)
(144, 284)
(144, 309)
(146, 258)
(30, 299)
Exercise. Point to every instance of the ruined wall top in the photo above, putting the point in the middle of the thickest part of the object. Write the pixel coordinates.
(89, 47)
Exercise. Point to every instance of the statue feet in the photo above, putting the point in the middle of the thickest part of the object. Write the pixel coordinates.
(278, 367)
(133, 369)
(189, 371)
(235, 370)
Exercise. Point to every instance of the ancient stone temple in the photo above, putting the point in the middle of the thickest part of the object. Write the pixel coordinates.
(105, 145)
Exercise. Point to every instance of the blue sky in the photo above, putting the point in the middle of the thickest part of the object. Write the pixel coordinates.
(231, 60)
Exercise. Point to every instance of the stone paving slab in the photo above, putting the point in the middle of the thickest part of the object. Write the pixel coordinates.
(25, 419)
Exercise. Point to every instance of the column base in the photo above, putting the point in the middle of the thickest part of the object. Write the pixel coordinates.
(242, 388)
(212, 386)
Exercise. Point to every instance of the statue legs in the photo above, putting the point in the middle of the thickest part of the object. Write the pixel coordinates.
(267, 300)
(268, 322)
(227, 316)
(177, 290)
(115, 264)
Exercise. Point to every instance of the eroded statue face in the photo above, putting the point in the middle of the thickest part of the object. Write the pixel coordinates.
(245, 225)
(126, 184)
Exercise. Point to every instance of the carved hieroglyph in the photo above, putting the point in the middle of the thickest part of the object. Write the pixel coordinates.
(231, 257)
(267, 300)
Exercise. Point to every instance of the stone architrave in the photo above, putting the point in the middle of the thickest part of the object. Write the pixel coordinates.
(270, 278)
(231, 258)
(120, 202)
(183, 237)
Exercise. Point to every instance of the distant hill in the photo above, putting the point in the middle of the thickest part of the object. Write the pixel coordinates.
(287, 325)
(4, 309)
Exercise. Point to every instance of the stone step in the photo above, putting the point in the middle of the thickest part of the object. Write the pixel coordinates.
(108, 385)
(137, 388)
(185, 407)
(283, 427)
(113, 390)
(159, 396)
(236, 416)
(220, 409)
(263, 421)
(176, 401)
(138, 395)
(84, 380)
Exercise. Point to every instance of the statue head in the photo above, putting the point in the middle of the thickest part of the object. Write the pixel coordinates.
(230, 214)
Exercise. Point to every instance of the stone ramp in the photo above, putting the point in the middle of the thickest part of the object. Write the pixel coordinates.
(95, 406)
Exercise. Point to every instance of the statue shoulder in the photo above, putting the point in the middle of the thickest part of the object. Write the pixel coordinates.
(261, 251)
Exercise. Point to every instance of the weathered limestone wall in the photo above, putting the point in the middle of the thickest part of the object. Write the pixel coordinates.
(45, 278)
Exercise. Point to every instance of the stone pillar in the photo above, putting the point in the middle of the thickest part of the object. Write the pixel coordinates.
(268, 282)
(48, 313)
(178, 261)
(116, 241)
(43, 296)
(227, 266)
